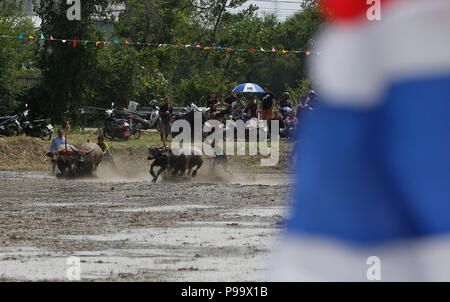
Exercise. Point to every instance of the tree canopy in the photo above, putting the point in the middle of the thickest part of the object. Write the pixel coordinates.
(14, 55)
(97, 75)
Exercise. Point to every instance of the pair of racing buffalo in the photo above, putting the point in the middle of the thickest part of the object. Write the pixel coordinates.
(74, 162)
(175, 161)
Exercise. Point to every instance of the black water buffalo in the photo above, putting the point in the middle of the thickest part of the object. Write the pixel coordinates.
(78, 161)
(175, 161)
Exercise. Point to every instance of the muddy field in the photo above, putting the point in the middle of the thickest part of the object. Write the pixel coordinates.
(127, 229)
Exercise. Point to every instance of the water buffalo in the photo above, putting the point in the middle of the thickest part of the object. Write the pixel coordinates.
(193, 159)
(78, 161)
(175, 161)
(90, 155)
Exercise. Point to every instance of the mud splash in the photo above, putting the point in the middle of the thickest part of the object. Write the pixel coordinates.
(125, 228)
(126, 171)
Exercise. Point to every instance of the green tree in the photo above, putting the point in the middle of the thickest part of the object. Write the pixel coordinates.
(98, 75)
(68, 68)
(15, 54)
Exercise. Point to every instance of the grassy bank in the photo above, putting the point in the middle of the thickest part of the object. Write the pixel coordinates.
(25, 153)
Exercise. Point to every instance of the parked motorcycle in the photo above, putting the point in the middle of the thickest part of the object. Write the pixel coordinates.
(135, 125)
(148, 117)
(9, 125)
(116, 128)
(42, 128)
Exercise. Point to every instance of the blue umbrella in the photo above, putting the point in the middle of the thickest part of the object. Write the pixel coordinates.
(248, 87)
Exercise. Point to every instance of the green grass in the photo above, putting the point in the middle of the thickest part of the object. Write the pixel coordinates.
(147, 138)
(25, 153)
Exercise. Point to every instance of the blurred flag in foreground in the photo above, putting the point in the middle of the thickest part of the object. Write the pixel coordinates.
(372, 194)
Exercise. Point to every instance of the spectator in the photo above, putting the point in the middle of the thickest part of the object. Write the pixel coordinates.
(248, 114)
(165, 113)
(284, 102)
(212, 103)
(239, 111)
(277, 117)
(230, 99)
(267, 104)
(239, 102)
(302, 108)
(252, 108)
(312, 100)
(228, 103)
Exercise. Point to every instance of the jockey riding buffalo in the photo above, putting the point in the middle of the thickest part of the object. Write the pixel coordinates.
(78, 161)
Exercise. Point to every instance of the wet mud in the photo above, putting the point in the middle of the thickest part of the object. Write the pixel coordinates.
(122, 228)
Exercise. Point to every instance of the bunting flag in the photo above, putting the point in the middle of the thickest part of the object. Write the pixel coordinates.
(162, 45)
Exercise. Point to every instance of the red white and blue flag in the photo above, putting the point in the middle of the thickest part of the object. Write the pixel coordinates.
(373, 168)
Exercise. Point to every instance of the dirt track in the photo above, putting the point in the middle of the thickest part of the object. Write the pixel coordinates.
(134, 230)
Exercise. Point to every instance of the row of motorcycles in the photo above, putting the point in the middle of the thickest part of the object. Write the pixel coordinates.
(123, 124)
(17, 125)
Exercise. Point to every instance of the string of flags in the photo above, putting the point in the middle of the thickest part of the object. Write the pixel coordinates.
(166, 45)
